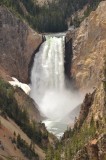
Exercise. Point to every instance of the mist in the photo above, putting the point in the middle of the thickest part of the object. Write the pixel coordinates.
(57, 104)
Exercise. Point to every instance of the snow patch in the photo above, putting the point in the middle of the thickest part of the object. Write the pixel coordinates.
(23, 86)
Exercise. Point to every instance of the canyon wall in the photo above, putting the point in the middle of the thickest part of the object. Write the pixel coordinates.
(17, 45)
(88, 70)
(89, 47)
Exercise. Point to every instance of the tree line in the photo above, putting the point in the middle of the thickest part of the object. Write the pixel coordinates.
(50, 17)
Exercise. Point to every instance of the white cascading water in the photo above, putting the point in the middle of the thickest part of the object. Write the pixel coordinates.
(48, 69)
(48, 85)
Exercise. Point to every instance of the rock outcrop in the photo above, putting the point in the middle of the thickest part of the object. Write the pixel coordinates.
(26, 103)
(89, 47)
(17, 45)
(94, 150)
(68, 57)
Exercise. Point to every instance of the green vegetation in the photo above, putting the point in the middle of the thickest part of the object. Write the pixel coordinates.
(27, 150)
(75, 142)
(50, 17)
(92, 6)
(9, 107)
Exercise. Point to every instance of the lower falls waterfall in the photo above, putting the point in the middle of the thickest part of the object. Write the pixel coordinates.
(55, 101)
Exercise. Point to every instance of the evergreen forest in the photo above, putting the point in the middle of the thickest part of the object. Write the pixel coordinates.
(50, 17)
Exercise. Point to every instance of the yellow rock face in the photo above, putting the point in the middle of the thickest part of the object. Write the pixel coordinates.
(89, 48)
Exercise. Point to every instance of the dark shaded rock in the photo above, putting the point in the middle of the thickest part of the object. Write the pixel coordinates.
(68, 57)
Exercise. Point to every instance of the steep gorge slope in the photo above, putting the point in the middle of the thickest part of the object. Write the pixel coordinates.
(87, 140)
(17, 44)
(20, 121)
(88, 137)
(9, 131)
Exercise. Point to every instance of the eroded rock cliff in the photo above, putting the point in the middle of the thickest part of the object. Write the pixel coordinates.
(89, 47)
(17, 44)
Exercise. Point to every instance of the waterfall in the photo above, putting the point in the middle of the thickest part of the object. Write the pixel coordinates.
(48, 69)
(48, 89)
